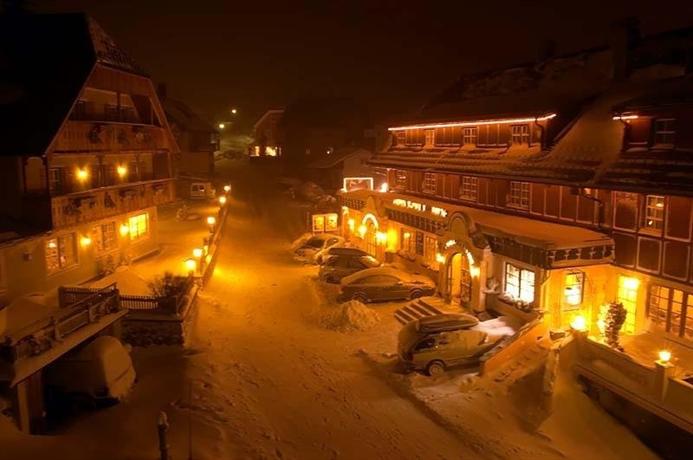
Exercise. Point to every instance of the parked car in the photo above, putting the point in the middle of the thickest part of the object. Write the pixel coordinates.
(435, 343)
(339, 266)
(100, 370)
(308, 250)
(385, 283)
(338, 250)
(202, 190)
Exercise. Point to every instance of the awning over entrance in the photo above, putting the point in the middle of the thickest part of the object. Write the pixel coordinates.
(539, 243)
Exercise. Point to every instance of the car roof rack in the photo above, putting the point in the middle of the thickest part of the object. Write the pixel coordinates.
(446, 322)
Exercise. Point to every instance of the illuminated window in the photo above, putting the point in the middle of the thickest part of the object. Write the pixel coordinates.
(469, 188)
(519, 195)
(430, 251)
(105, 237)
(519, 283)
(664, 132)
(60, 253)
(654, 212)
(573, 291)
(401, 179)
(628, 296)
(671, 310)
(430, 183)
(520, 134)
(139, 226)
(470, 136)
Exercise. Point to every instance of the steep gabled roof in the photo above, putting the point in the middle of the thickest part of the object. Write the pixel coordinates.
(181, 115)
(45, 59)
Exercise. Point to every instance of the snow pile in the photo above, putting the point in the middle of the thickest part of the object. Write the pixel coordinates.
(351, 316)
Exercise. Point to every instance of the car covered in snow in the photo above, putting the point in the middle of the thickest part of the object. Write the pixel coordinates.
(385, 283)
(339, 266)
(435, 343)
(344, 249)
(308, 250)
(99, 370)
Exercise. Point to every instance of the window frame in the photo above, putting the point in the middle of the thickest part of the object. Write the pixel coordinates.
(469, 134)
(429, 183)
(680, 326)
(520, 282)
(519, 195)
(653, 215)
(469, 188)
(99, 233)
(662, 134)
(137, 235)
(521, 137)
(60, 253)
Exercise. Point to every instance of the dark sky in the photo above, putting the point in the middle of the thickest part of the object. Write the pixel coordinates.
(390, 55)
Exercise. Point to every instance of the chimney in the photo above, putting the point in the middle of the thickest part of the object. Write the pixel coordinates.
(623, 36)
(162, 91)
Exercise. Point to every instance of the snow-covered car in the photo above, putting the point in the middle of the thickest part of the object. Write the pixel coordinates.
(338, 250)
(100, 370)
(435, 343)
(339, 266)
(308, 250)
(385, 283)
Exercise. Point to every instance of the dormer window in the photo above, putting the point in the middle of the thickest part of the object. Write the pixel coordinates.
(400, 138)
(664, 132)
(430, 137)
(448, 136)
(520, 134)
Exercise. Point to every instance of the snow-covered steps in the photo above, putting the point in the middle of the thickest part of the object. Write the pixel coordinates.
(418, 308)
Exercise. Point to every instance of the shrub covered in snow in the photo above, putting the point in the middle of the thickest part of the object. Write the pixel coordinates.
(350, 316)
(168, 285)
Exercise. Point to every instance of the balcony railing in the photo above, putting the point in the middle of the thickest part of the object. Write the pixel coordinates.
(91, 205)
(110, 113)
(87, 136)
(62, 183)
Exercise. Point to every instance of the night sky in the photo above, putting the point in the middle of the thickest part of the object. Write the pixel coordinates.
(390, 55)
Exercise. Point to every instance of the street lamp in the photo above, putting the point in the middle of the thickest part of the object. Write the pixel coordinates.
(234, 111)
(227, 188)
(197, 253)
(222, 200)
(221, 125)
(211, 220)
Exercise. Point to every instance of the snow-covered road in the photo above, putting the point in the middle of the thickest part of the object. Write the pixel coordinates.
(286, 387)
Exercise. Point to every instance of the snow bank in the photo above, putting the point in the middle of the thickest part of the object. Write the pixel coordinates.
(350, 316)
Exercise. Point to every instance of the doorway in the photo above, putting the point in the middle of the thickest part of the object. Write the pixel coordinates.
(459, 280)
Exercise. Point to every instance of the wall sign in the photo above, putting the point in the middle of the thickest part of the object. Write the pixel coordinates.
(357, 183)
(420, 207)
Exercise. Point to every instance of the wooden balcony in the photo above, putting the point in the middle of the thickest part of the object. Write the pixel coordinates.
(80, 207)
(87, 136)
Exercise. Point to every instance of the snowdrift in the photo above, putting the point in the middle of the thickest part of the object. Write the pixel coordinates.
(350, 316)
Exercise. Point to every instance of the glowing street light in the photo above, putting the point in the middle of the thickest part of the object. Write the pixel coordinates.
(124, 230)
(190, 265)
(82, 174)
(579, 324)
(197, 252)
(234, 111)
(122, 171)
(227, 188)
(222, 200)
(85, 241)
(664, 356)
(211, 220)
(221, 125)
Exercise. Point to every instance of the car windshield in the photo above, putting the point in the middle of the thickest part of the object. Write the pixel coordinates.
(370, 261)
(314, 242)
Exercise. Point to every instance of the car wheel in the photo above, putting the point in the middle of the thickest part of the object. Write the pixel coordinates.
(361, 297)
(435, 368)
(415, 294)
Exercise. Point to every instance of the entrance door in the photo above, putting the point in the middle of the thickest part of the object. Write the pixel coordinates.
(459, 280)
(628, 296)
(371, 246)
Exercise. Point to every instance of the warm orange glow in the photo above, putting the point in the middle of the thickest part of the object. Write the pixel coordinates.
(384, 187)
(362, 230)
(474, 123)
(664, 356)
(352, 225)
(221, 125)
(190, 264)
(227, 188)
(222, 200)
(82, 174)
(234, 111)
(440, 258)
(625, 117)
(197, 252)
(124, 230)
(475, 271)
(85, 241)
(381, 237)
(211, 220)
(392, 239)
(407, 235)
(52, 244)
(122, 171)
(631, 283)
(579, 323)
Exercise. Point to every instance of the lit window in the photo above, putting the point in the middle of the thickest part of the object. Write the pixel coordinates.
(104, 236)
(574, 283)
(628, 296)
(470, 136)
(654, 212)
(401, 179)
(520, 134)
(60, 253)
(519, 283)
(430, 251)
(469, 188)
(671, 310)
(519, 195)
(139, 226)
(430, 183)
(664, 132)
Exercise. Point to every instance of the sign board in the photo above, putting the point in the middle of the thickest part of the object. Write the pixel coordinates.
(357, 183)
(325, 222)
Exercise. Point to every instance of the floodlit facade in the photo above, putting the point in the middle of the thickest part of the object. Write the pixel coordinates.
(86, 155)
(555, 187)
